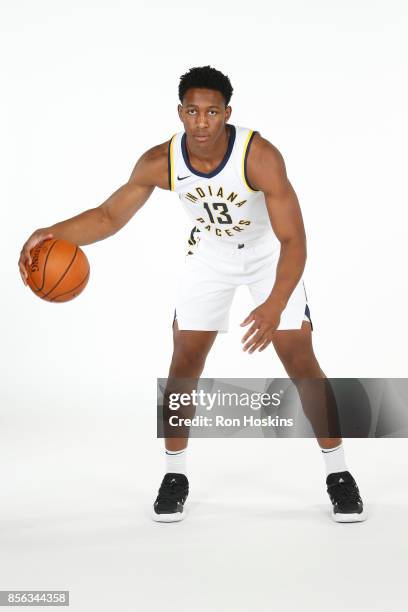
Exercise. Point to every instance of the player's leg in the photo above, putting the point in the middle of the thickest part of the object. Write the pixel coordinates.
(203, 299)
(293, 344)
(295, 349)
(190, 350)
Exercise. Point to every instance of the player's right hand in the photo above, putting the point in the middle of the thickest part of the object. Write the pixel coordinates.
(25, 257)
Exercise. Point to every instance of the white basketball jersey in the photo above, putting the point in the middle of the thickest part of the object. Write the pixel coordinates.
(222, 204)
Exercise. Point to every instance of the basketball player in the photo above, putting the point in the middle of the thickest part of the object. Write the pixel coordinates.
(248, 229)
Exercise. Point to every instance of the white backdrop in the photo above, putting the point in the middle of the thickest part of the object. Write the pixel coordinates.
(87, 87)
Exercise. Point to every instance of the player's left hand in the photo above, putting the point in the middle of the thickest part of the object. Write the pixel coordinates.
(266, 319)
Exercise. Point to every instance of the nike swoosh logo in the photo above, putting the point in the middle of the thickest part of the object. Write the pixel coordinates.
(181, 178)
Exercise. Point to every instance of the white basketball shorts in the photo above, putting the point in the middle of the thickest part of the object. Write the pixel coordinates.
(211, 274)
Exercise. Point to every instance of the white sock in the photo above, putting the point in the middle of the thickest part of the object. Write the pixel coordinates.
(334, 459)
(176, 461)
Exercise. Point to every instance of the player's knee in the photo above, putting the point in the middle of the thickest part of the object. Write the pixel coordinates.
(301, 365)
(187, 361)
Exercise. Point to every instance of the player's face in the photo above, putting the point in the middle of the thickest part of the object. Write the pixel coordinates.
(204, 116)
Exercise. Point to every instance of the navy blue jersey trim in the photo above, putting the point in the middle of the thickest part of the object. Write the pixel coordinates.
(245, 161)
(231, 141)
(307, 313)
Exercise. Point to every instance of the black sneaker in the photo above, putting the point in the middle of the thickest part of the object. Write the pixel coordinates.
(345, 497)
(169, 505)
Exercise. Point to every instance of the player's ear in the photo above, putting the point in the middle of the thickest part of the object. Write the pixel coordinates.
(228, 111)
(180, 110)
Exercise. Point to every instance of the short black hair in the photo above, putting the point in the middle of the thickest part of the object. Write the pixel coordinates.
(205, 77)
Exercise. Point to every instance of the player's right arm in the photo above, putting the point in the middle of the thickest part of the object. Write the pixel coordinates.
(105, 220)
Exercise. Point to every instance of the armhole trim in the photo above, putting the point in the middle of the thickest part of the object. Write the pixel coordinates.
(170, 163)
(245, 152)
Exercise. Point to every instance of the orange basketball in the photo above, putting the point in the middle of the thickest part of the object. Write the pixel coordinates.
(59, 270)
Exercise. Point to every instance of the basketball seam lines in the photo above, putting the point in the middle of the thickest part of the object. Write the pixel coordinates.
(72, 261)
(59, 295)
(45, 264)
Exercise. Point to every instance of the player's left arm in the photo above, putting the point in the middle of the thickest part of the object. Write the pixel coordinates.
(266, 172)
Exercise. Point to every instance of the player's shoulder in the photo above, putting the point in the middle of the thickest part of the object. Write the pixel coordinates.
(263, 150)
(156, 154)
(151, 167)
(256, 148)
(265, 164)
